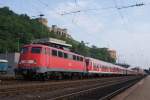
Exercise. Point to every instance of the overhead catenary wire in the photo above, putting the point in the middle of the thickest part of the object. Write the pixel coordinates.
(116, 6)
(118, 9)
(92, 9)
(43, 3)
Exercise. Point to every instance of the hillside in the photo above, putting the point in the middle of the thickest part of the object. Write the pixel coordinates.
(21, 29)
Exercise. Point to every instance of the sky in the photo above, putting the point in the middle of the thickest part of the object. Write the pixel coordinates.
(99, 23)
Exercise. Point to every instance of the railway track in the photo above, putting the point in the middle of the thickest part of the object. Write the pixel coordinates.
(21, 83)
(59, 90)
(14, 87)
(89, 93)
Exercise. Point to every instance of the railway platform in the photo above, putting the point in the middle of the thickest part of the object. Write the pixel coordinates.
(140, 91)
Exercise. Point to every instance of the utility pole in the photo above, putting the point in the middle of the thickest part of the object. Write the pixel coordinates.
(18, 41)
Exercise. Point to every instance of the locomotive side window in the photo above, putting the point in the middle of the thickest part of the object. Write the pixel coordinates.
(54, 52)
(60, 54)
(36, 50)
(81, 59)
(24, 50)
(74, 57)
(78, 58)
(70, 56)
(65, 55)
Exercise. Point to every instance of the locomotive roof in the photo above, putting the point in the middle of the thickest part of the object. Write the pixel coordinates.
(40, 45)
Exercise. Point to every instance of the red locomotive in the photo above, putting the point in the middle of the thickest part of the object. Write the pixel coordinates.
(41, 61)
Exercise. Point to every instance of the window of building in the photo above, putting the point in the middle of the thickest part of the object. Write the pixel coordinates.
(36, 50)
(24, 50)
(60, 54)
(54, 52)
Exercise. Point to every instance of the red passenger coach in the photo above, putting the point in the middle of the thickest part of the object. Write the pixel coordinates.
(44, 61)
(103, 68)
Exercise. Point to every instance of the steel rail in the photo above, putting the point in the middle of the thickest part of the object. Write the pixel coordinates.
(41, 86)
(92, 88)
(112, 94)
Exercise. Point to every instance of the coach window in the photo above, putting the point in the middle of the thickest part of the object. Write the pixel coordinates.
(24, 50)
(36, 50)
(65, 55)
(54, 52)
(74, 57)
(60, 54)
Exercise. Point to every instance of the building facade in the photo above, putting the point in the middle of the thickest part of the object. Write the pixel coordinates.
(59, 31)
(44, 21)
(113, 53)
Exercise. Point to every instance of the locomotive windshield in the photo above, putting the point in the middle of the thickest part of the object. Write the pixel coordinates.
(24, 50)
(36, 50)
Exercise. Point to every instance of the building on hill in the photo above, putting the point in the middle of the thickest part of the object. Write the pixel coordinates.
(59, 31)
(113, 53)
(44, 21)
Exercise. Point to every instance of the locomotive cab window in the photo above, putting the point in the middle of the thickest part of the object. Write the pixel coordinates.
(24, 50)
(36, 50)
